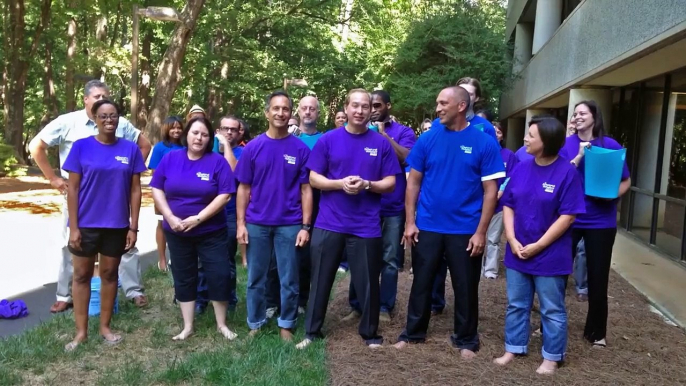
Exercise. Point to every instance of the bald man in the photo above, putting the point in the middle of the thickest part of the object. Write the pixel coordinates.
(451, 222)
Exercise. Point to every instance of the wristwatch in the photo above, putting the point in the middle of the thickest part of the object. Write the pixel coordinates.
(307, 227)
(369, 185)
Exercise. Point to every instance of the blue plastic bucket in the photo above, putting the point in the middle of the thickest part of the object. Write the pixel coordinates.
(603, 171)
(94, 304)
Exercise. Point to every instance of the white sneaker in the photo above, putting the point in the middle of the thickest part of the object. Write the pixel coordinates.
(301, 310)
(271, 312)
(341, 270)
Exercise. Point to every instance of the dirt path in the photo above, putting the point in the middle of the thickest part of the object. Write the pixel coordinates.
(643, 349)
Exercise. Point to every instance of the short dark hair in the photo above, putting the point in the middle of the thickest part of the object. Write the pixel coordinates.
(489, 115)
(552, 132)
(385, 96)
(246, 130)
(231, 117)
(102, 102)
(268, 100)
(210, 130)
(167, 125)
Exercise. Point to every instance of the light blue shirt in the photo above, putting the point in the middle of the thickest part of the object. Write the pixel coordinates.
(68, 128)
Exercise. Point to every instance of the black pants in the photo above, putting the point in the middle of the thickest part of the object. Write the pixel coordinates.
(211, 249)
(599, 243)
(465, 273)
(364, 259)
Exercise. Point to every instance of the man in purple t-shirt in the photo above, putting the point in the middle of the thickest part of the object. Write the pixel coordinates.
(352, 166)
(401, 139)
(274, 211)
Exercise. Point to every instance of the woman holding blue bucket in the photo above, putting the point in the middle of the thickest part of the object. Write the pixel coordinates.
(598, 226)
(104, 190)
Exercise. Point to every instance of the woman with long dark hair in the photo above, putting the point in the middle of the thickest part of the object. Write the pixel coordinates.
(170, 132)
(598, 226)
(191, 188)
(104, 201)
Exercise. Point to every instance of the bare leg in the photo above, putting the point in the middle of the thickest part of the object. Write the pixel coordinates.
(220, 318)
(81, 294)
(188, 313)
(161, 247)
(505, 359)
(109, 273)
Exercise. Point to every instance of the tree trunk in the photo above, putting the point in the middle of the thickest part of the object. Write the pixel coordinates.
(71, 50)
(168, 70)
(49, 98)
(18, 70)
(144, 87)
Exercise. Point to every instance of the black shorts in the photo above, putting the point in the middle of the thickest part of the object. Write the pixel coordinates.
(106, 241)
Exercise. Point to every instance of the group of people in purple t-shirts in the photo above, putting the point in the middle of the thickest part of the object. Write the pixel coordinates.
(300, 201)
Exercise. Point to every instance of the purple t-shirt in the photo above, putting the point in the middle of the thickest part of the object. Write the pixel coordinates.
(274, 169)
(539, 195)
(339, 154)
(600, 213)
(522, 155)
(510, 160)
(106, 172)
(393, 204)
(190, 186)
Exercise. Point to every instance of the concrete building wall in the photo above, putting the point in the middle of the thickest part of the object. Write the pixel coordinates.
(598, 36)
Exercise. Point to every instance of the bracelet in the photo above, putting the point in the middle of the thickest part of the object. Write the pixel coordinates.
(133, 230)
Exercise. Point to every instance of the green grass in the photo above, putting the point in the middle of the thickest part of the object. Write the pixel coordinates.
(149, 356)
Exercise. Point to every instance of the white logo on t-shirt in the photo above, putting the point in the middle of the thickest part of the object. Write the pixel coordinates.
(203, 176)
(371, 152)
(548, 188)
(467, 150)
(290, 159)
(505, 164)
(124, 160)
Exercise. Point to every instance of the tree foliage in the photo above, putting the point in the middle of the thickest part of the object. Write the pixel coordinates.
(240, 50)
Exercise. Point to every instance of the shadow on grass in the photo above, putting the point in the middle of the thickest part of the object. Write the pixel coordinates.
(149, 356)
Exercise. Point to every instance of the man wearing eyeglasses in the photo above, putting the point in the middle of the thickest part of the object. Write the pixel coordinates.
(227, 135)
(63, 132)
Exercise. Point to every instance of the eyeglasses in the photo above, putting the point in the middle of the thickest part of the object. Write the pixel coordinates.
(227, 128)
(112, 117)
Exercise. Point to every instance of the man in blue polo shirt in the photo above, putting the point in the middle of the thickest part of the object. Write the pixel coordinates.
(456, 169)
(401, 139)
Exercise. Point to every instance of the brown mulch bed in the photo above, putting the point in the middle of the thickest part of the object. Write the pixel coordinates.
(642, 348)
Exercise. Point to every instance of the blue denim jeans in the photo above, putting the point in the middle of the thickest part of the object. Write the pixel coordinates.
(580, 276)
(388, 288)
(551, 297)
(262, 241)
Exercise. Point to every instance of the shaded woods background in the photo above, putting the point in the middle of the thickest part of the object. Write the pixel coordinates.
(238, 51)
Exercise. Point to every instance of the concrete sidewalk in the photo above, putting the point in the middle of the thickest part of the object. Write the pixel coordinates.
(658, 278)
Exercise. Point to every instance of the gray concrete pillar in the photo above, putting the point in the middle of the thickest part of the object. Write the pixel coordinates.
(515, 133)
(548, 19)
(524, 35)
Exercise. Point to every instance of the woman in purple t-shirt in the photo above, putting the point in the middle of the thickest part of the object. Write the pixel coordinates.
(104, 190)
(540, 203)
(191, 188)
(598, 227)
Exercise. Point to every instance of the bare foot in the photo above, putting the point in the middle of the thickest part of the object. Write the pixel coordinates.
(505, 359)
(183, 335)
(253, 333)
(228, 334)
(71, 346)
(401, 345)
(467, 354)
(286, 335)
(547, 367)
(374, 345)
(306, 342)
